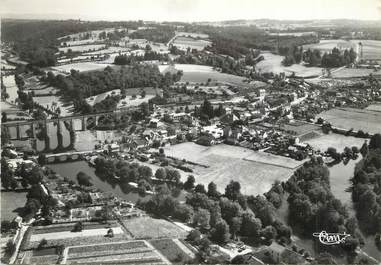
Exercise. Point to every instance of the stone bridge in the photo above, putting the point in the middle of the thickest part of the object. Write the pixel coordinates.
(27, 128)
(69, 156)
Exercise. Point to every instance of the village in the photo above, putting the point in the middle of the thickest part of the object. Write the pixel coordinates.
(144, 142)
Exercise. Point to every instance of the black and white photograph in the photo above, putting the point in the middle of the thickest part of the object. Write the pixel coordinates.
(190, 132)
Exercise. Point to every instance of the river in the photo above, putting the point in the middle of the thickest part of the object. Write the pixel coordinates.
(340, 175)
(71, 169)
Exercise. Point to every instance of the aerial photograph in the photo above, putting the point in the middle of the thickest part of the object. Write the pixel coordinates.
(190, 132)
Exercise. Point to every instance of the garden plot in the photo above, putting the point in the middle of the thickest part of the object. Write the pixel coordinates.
(128, 251)
(74, 241)
(69, 234)
(172, 251)
(225, 163)
(148, 227)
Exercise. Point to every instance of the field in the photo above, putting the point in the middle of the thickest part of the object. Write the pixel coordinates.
(184, 42)
(147, 227)
(82, 67)
(371, 48)
(201, 73)
(337, 141)
(47, 101)
(126, 102)
(171, 250)
(10, 87)
(83, 48)
(11, 201)
(354, 72)
(374, 107)
(358, 119)
(192, 35)
(226, 163)
(273, 63)
(126, 252)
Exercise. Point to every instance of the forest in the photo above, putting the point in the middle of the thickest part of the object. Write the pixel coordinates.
(78, 86)
(366, 189)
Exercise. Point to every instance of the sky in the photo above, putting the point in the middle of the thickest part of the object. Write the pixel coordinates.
(191, 10)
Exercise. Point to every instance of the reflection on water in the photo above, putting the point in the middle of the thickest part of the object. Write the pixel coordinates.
(71, 169)
(340, 175)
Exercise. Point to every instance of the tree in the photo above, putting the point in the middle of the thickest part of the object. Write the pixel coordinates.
(269, 233)
(201, 219)
(220, 233)
(160, 173)
(212, 190)
(110, 233)
(4, 117)
(83, 179)
(42, 243)
(375, 141)
(10, 248)
(184, 213)
(235, 227)
(200, 188)
(189, 184)
(233, 190)
(39, 114)
(194, 236)
(78, 227)
(251, 226)
(7, 226)
(41, 159)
